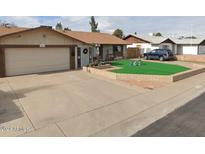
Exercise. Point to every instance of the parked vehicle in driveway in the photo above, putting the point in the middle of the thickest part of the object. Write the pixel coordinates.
(159, 54)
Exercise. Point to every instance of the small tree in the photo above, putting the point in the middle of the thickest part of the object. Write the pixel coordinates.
(7, 24)
(157, 34)
(190, 37)
(118, 33)
(93, 24)
(59, 26)
(68, 29)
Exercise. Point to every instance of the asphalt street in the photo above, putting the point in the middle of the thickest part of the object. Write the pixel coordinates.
(186, 121)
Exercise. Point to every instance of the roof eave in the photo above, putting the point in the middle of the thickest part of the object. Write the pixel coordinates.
(12, 33)
(130, 35)
(112, 43)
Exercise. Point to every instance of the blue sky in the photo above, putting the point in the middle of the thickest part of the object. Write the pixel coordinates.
(167, 25)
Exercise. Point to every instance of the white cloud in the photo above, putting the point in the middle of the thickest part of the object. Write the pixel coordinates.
(109, 31)
(78, 23)
(129, 24)
(23, 21)
(103, 23)
(74, 18)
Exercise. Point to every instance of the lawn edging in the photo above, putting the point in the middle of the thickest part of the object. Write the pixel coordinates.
(101, 72)
(186, 74)
(142, 77)
(191, 58)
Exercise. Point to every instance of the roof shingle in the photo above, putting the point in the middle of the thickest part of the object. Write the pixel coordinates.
(86, 37)
(94, 37)
(9, 30)
(160, 39)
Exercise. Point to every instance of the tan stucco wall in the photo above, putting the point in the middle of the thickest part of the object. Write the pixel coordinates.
(38, 36)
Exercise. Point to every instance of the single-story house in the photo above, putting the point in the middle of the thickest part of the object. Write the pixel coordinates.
(190, 46)
(148, 43)
(178, 46)
(43, 49)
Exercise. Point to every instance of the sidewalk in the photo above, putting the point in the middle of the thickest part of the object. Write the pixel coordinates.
(127, 116)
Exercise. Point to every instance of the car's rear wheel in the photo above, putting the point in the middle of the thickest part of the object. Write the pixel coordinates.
(146, 57)
(161, 58)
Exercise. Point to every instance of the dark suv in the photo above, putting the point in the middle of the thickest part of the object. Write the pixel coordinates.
(159, 54)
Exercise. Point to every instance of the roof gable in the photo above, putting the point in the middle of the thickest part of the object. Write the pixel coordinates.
(188, 41)
(159, 39)
(135, 39)
(202, 42)
(149, 39)
(168, 41)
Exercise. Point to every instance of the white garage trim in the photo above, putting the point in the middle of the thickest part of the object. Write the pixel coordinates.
(191, 50)
(36, 60)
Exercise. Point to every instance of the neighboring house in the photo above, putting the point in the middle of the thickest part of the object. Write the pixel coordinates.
(190, 46)
(43, 49)
(177, 46)
(148, 43)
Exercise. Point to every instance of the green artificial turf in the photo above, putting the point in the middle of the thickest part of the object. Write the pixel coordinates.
(151, 68)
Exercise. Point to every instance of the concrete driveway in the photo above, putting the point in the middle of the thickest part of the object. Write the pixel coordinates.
(81, 104)
(40, 101)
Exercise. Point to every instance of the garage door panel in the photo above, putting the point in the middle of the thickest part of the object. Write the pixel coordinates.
(33, 70)
(36, 60)
(192, 50)
(36, 67)
(25, 54)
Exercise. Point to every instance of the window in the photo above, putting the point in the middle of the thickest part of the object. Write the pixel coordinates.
(79, 57)
(78, 51)
(119, 49)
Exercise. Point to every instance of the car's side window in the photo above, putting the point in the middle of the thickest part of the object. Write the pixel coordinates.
(153, 51)
(158, 51)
